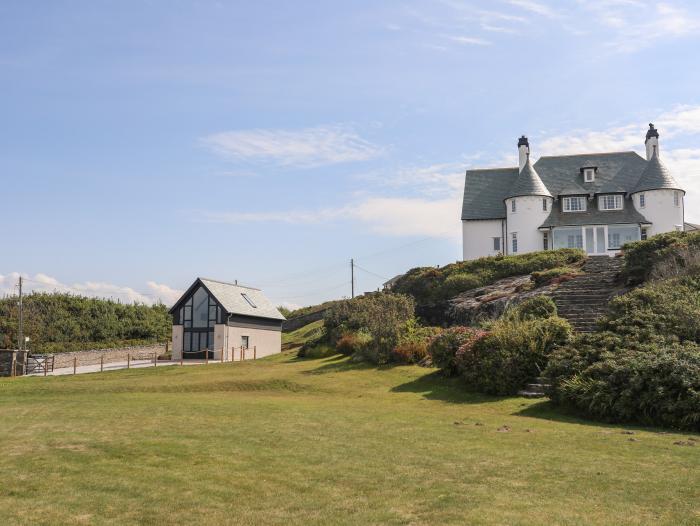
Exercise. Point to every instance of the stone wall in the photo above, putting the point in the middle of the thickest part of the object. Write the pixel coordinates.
(298, 322)
(8, 358)
(62, 360)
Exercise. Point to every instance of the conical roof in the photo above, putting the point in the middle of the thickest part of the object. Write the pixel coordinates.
(528, 182)
(656, 177)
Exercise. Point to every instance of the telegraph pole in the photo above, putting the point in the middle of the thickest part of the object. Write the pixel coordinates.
(352, 277)
(21, 318)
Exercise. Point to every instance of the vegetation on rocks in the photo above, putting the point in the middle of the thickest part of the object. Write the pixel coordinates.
(661, 256)
(57, 322)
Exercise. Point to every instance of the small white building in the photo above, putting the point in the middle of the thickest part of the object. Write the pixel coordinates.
(595, 202)
(215, 317)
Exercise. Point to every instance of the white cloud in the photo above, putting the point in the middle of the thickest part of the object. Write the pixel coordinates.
(537, 8)
(322, 145)
(44, 283)
(473, 41)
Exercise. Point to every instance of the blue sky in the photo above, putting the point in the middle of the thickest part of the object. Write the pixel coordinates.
(146, 143)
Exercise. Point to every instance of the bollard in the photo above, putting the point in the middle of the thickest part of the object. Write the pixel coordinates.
(102, 363)
(75, 364)
(128, 360)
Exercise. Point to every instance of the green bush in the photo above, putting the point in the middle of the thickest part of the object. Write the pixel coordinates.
(515, 350)
(316, 351)
(381, 317)
(667, 309)
(679, 250)
(603, 376)
(409, 353)
(553, 275)
(536, 307)
(443, 348)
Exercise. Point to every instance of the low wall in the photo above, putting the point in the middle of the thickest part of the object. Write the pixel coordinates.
(298, 322)
(10, 358)
(65, 359)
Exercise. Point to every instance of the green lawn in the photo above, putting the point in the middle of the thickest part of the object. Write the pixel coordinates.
(287, 441)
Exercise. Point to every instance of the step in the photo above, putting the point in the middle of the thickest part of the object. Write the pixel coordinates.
(530, 394)
(537, 387)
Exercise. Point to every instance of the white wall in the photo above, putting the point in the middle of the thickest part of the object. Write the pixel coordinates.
(177, 341)
(660, 210)
(477, 238)
(266, 342)
(526, 219)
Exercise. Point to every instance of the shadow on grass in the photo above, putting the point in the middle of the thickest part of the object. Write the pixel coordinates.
(435, 386)
(339, 363)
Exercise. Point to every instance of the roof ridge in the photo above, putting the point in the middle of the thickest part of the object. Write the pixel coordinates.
(491, 169)
(587, 154)
(228, 283)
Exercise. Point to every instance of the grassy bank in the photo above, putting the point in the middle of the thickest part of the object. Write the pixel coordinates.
(288, 441)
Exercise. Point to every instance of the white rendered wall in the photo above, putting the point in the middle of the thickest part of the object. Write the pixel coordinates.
(266, 342)
(660, 210)
(477, 238)
(178, 331)
(526, 219)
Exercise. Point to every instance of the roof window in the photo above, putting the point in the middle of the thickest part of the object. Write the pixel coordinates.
(589, 174)
(250, 302)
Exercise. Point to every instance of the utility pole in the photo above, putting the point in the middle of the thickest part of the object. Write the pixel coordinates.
(352, 277)
(21, 318)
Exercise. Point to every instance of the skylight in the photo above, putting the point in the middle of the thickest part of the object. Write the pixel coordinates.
(250, 302)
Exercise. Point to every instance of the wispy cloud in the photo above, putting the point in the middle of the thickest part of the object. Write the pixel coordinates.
(308, 147)
(473, 41)
(537, 8)
(44, 283)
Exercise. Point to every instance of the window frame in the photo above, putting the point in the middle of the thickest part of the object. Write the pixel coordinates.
(676, 199)
(248, 300)
(568, 200)
(589, 175)
(514, 242)
(616, 198)
(545, 240)
(544, 204)
(642, 200)
(513, 207)
(644, 233)
(496, 244)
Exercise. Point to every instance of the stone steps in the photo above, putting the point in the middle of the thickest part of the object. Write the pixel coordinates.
(584, 299)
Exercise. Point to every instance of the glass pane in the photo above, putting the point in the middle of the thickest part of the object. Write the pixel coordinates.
(600, 240)
(589, 240)
(188, 342)
(212, 314)
(618, 235)
(200, 312)
(211, 340)
(567, 238)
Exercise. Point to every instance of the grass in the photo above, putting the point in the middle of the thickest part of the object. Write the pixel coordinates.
(295, 339)
(289, 441)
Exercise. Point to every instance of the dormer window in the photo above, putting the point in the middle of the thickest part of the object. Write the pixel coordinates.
(574, 204)
(610, 202)
(589, 175)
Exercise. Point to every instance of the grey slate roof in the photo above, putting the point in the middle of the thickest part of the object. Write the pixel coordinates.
(230, 296)
(617, 172)
(484, 191)
(528, 182)
(656, 176)
(594, 216)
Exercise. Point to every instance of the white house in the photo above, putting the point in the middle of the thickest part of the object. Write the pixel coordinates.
(215, 317)
(595, 202)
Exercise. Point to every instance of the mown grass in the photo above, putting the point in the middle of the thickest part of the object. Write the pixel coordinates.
(289, 441)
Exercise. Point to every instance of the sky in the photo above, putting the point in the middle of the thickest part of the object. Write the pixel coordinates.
(143, 144)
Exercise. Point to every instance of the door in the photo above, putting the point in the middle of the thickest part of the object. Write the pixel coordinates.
(594, 242)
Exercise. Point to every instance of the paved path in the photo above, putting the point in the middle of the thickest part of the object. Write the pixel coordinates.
(113, 366)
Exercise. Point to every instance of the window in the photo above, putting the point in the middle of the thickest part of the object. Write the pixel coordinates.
(589, 175)
(512, 206)
(642, 201)
(545, 240)
(613, 240)
(497, 244)
(618, 235)
(515, 242)
(544, 204)
(610, 202)
(574, 204)
(574, 240)
(250, 302)
(676, 199)
(644, 233)
(244, 342)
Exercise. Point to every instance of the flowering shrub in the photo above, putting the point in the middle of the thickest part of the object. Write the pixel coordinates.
(443, 348)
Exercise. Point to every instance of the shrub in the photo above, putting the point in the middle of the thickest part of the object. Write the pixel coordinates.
(458, 283)
(348, 344)
(443, 347)
(673, 250)
(319, 350)
(536, 307)
(553, 275)
(409, 352)
(514, 351)
(603, 377)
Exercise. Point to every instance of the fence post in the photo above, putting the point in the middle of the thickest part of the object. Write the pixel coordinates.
(222, 355)
(242, 353)
(102, 363)
(155, 359)
(255, 351)
(46, 365)
(182, 355)
(128, 360)
(13, 364)
(75, 364)
(206, 356)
